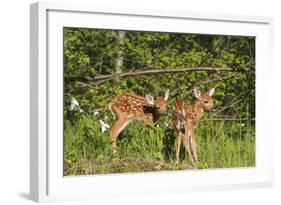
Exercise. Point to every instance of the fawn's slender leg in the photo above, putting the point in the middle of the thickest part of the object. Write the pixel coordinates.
(178, 145)
(186, 143)
(193, 145)
(119, 125)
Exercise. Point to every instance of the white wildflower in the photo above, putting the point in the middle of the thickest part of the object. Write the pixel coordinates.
(157, 125)
(166, 124)
(75, 105)
(96, 113)
(104, 126)
(242, 124)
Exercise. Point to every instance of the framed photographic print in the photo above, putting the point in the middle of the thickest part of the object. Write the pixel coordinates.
(128, 101)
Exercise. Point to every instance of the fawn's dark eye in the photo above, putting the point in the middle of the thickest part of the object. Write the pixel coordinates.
(206, 101)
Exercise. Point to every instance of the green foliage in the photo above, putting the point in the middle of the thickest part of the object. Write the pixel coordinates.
(93, 52)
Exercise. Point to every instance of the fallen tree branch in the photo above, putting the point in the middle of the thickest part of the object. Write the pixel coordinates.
(156, 71)
(94, 84)
(169, 70)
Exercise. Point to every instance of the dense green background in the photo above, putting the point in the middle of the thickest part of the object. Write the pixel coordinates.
(92, 52)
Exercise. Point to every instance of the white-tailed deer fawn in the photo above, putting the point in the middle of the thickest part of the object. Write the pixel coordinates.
(186, 117)
(127, 107)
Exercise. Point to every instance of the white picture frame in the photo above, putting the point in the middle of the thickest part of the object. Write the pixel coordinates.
(47, 182)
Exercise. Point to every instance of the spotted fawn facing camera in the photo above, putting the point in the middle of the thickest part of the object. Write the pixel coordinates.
(185, 118)
(127, 107)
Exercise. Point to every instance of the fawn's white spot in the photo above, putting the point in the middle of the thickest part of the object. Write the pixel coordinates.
(190, 138)
(183, 112)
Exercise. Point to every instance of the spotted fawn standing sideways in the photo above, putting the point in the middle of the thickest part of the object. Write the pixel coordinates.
(185, 118)
(127, 107)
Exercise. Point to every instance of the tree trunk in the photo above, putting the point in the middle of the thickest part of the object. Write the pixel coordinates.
(119, 59)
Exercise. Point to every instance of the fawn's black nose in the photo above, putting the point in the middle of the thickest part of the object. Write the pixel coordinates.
(214, 108)
(165, 113)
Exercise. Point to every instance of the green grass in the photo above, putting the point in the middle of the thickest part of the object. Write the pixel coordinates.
(88, 151)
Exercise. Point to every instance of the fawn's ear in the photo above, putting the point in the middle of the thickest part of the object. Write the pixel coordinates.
(211, 92)
(149, 99)
(197, 93)
(166, 95)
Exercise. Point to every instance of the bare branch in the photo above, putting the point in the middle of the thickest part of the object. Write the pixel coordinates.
(174, 92)
(169, 70)
(102, 78)
(240, 98)
(85, 84)
(215, 80)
